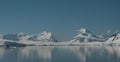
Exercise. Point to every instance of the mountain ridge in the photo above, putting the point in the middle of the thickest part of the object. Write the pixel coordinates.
(83, 37)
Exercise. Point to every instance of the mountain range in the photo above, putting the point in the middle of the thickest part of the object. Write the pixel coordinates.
(83, 37)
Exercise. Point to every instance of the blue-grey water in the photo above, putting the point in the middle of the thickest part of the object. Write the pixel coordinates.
(60, 54)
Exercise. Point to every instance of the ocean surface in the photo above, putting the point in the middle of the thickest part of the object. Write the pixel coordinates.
(60, 54)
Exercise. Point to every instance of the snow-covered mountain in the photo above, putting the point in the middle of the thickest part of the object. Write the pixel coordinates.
(114, 38)
(21, 39)
(43, 37)
(85, 36)
(46, 37)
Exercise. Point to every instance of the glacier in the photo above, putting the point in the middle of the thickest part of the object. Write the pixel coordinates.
(83, 38)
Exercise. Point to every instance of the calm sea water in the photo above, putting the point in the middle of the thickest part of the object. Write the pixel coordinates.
(60, 54)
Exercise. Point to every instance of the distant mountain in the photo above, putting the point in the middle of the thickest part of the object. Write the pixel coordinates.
(21, 39)
(16, 37)
(47, 37)
(114, 38)
(43, 37)
(85, 36)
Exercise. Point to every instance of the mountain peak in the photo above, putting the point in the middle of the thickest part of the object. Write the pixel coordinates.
(114, 38)
(84, 35)
(83, 30)
(46, 36)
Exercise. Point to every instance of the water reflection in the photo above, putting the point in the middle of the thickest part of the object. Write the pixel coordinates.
(43, 53)
(2, 51)
(61, 54)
